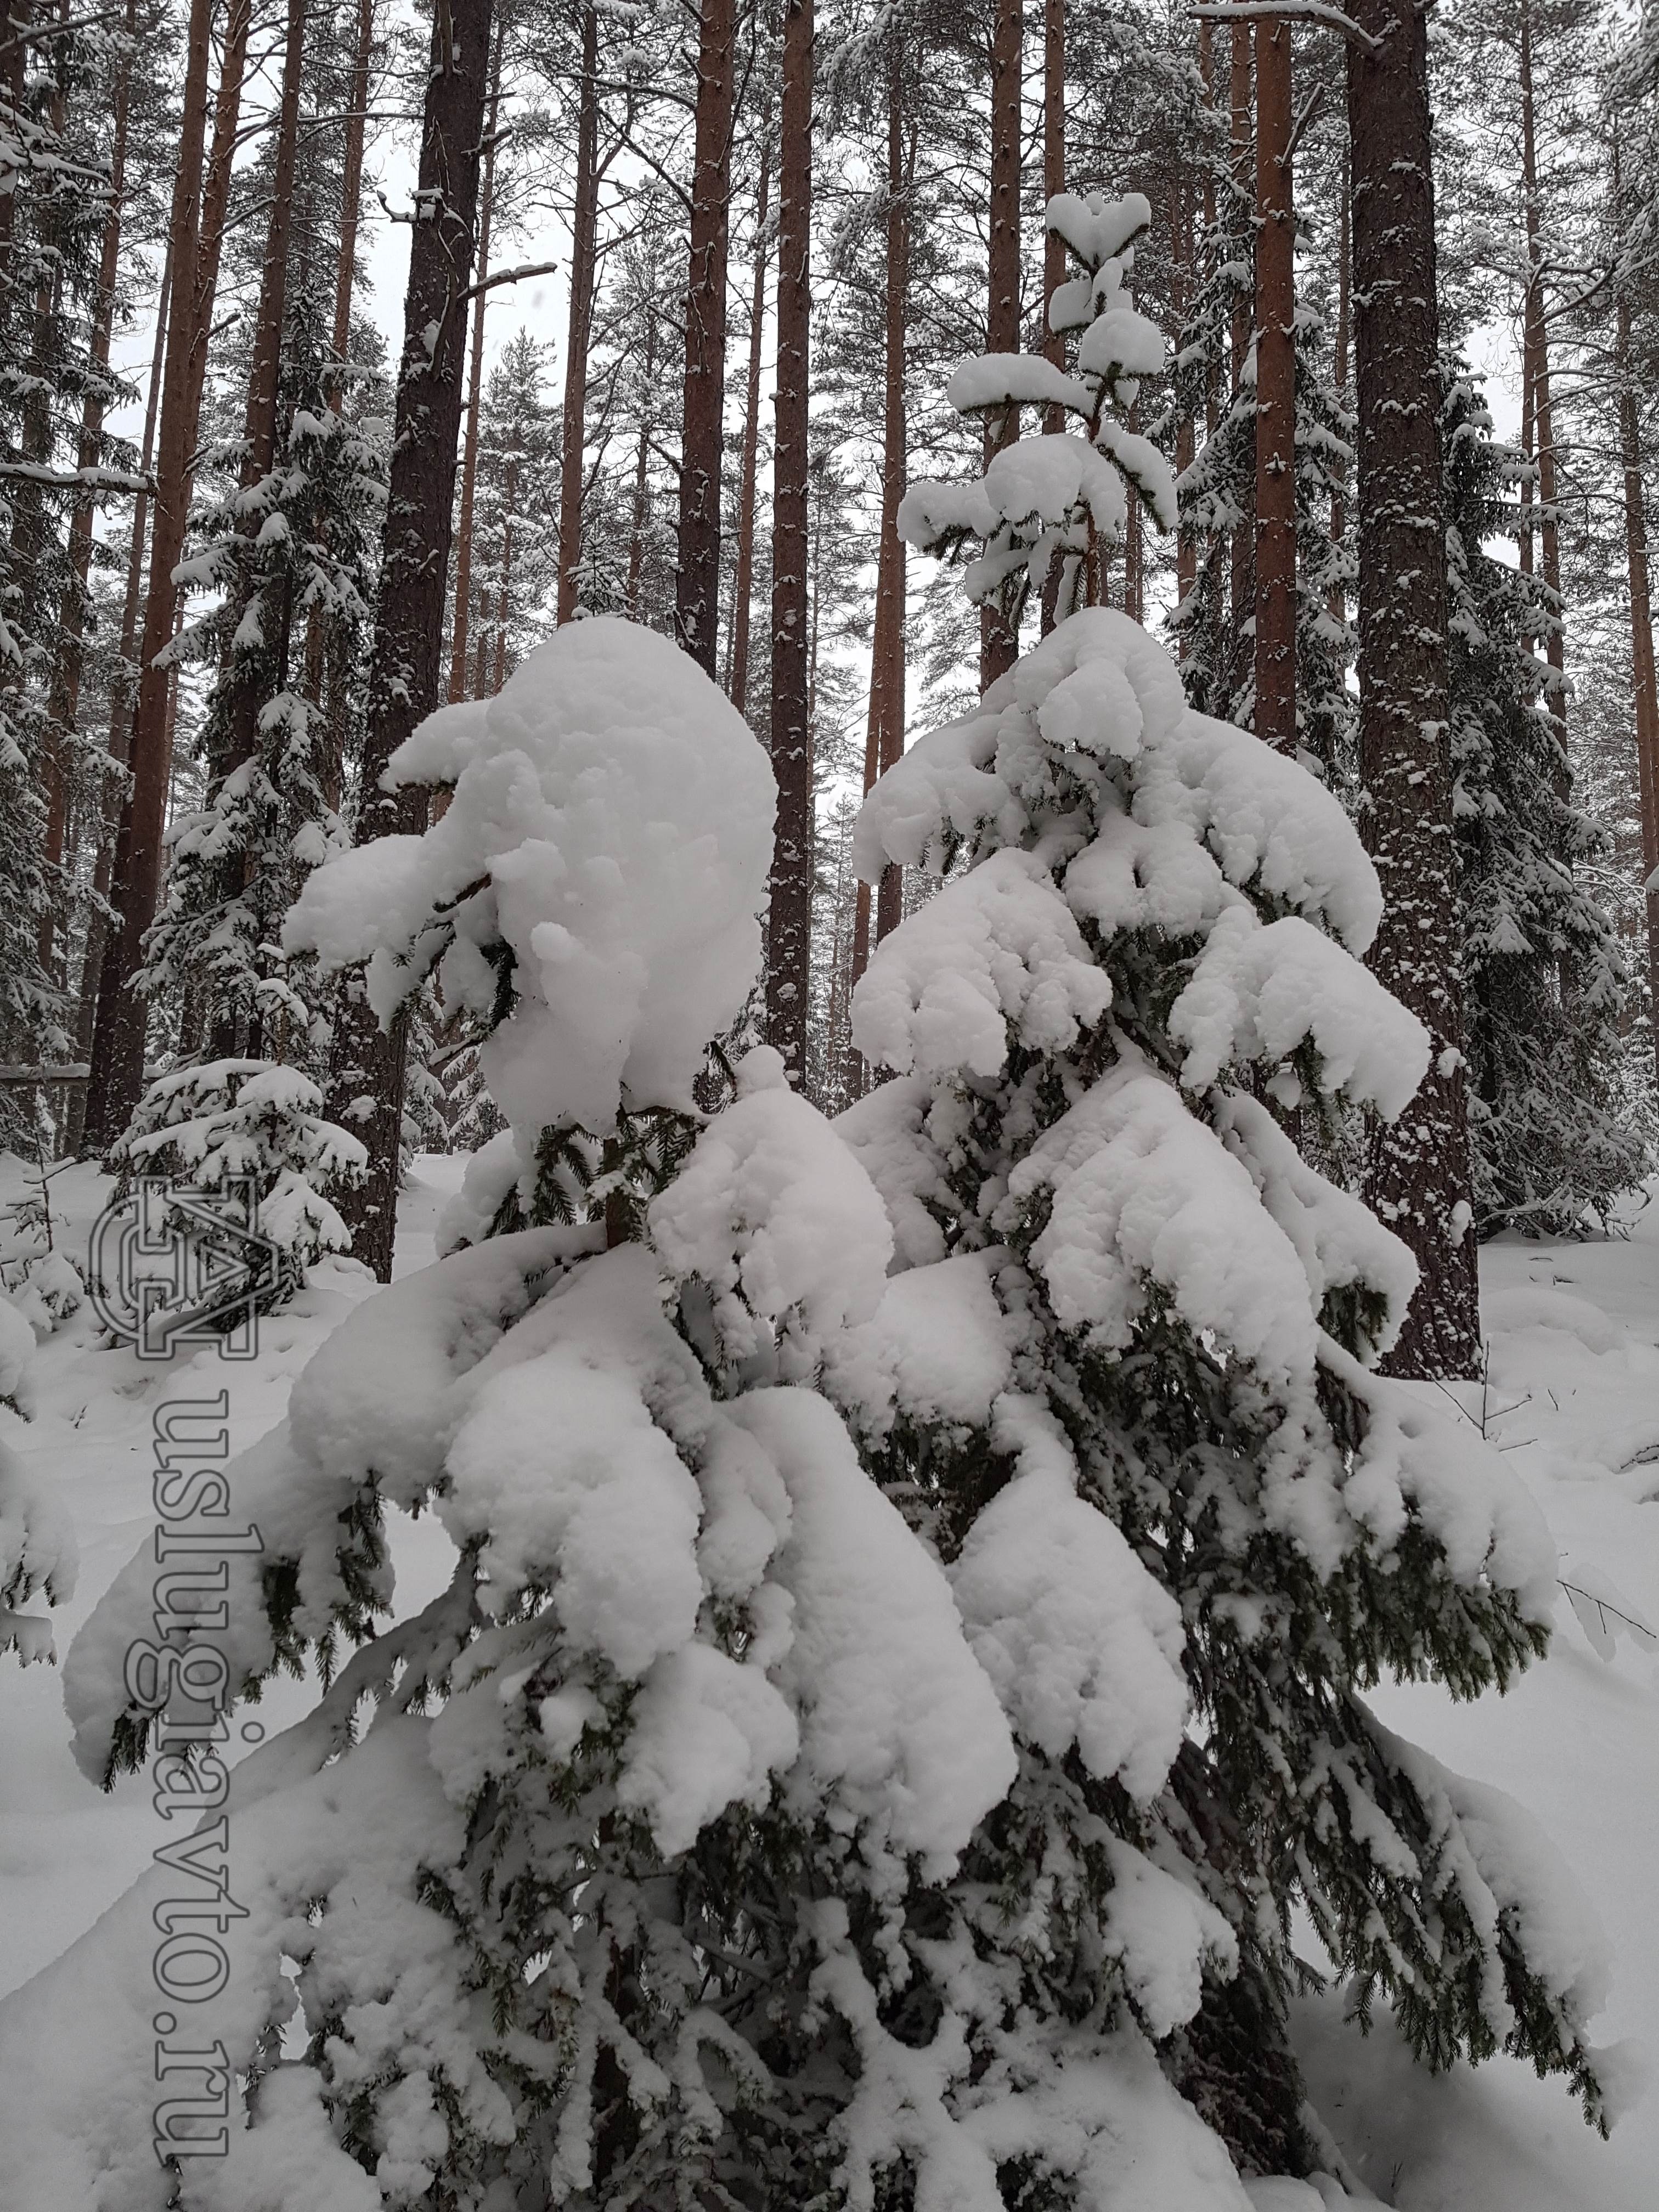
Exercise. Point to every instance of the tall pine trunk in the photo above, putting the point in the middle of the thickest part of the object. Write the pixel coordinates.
(366, 1077)
(1536, 370)
(1240, 91)
(64, 699)
(697, 583)
(1338, 601)
(118, 1025)
(1054, 247)
(789, 938)
(1275, 394)
(352, 190)
(1641, 623)
(474, 397)
(1419, 1175)
(265, 370)
(744, 583)
(883, 741)
(642, 461)
(584, 245)
(999, 643)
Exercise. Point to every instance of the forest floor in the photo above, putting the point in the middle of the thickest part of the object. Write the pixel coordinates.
(1571, 1398)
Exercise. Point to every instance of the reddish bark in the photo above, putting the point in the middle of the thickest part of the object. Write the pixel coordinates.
(474, 398)
(790, 926)
(119, 1023)
(367, 1078)
(1274, 720)
(351, 189)
(697, 582)
(1419, 1175)
(1054, 247)
(585, 229)
(743, 584)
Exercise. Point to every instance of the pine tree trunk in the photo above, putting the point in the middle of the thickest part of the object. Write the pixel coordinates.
(1535, 342)
(743, 584)
(1242, 184)
(1054, 247)
(503, 601)
(1206, 77)
(1339, 599)
(474, 398)
(584, 243)
(366, 1085)
(352, 190)
(119, 1021)
(999, 643)
(789, 942)
(14, 61)
(1419, 1177)
(1641, 633)
(1183, 284)
(641, 463)
(64, 699)
(697, 582)
(266, 369)
(887, 696)
(1275, 394)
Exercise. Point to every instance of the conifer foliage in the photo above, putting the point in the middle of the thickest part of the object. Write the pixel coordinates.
(1543, 972)
(915, 1578)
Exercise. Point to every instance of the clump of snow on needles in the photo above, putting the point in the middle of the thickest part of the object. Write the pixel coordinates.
(607, 840)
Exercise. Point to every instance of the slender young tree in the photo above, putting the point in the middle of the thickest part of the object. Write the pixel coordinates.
(789, 938)
(367, 1078)
(1646, 689)
(584, 243)
(696, 589)
(351, 192)
(743, 588)
(1536, 370)
(998, 645)
(1418, 1178)
(474, 394)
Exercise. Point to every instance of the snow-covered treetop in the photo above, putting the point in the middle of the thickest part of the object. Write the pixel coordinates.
(589, 895)
(1040, 497)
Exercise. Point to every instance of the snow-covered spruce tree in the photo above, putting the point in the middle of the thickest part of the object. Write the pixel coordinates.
(229, 1122)
(1061, 497)
(297, 591)
(1542, 970)
(1157, 919)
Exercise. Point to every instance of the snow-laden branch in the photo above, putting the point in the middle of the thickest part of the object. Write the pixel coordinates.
(1302, 11)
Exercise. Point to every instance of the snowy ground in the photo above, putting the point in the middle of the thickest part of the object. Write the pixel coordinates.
(1573, 1399)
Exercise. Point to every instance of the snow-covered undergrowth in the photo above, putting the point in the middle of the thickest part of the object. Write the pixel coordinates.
(1573, 1402)
(899, 1668)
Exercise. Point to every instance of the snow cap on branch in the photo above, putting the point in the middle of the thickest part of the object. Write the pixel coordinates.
(589, 895)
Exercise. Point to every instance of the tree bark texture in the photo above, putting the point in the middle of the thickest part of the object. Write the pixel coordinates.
(789, 935)
(742, 587)
(1275, 393)
(265, 375)
(117, 1059)
(697, 581)
(352, 190)
(474, 398)
(367, 1077)
(1241, 184)
(999, 644)
(63, 700)
(1641, 628)
(1054, 247)
(584, 241)
(1536, 371)
(1419, 1175)
(1339, 601)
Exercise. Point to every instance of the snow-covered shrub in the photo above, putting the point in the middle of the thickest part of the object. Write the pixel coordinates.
(229, 1120)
